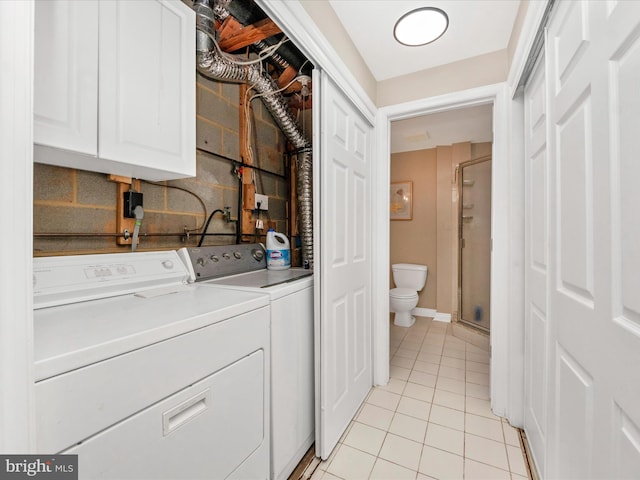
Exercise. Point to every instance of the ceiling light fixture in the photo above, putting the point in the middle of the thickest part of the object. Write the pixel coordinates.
(421, 26)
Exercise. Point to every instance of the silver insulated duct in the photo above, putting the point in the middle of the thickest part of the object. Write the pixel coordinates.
(211, 63)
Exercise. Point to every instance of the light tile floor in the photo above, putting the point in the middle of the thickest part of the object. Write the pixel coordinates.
(433, 419)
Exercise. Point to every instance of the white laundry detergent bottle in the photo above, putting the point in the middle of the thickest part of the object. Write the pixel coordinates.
(278, 254)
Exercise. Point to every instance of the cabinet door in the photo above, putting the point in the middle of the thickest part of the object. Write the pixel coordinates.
(66, 75)
(147, 86)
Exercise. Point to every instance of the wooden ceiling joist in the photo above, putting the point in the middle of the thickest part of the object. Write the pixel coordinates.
(233, 39)
(298, 104)
(229, 27)
(234, 36)
(285, 77)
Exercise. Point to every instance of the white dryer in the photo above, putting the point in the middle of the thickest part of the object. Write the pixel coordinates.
(243, 267)
(144, 376)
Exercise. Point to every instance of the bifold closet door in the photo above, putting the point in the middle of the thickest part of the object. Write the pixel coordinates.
(344, 367)
(583, 244)
(536, 264)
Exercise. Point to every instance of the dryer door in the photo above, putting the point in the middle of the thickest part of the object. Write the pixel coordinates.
(212, 429)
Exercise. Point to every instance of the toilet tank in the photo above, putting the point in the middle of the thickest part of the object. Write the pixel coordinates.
(409, 275)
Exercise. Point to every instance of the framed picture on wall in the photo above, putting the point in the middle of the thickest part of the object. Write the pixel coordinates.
(401, 201)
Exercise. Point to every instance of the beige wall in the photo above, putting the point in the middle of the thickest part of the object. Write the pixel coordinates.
(470, 73)
(414, 241)
(430, 238)
(444, 229)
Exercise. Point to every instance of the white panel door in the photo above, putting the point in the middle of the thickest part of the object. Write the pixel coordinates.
(147, 87)
(65, 85)
(536, 262)
(344, 343)
(583, 242)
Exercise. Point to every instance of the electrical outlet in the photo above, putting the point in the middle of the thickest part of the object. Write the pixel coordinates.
(262, 202)
(131, 201)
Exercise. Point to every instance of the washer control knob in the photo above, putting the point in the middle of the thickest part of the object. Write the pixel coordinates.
(257, 254)
(202, 261)
(168, 264)
(215, 258)
(238, 255)
(226, 256)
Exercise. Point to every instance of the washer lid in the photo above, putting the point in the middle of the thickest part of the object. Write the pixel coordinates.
(402, 293)
(73, 336)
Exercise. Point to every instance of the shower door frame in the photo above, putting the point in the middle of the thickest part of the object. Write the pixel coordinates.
(459, 168)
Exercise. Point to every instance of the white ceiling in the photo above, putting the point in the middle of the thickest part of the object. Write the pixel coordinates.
(476, 27)
(473, 124)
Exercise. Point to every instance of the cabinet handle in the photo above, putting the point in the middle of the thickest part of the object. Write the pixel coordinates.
(187, 410)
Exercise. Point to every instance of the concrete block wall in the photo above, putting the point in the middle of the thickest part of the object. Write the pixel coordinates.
(70, 201)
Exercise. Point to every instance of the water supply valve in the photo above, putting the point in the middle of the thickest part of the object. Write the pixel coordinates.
(304, 80)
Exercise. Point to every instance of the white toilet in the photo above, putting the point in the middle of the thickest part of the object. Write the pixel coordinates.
(409, 280)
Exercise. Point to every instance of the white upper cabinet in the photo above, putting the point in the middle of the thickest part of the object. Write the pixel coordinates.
(115, 87)
(66, 75)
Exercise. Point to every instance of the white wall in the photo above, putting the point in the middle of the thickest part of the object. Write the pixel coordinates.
(16, 187)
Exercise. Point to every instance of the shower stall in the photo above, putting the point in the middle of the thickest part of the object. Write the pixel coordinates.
(474, 243)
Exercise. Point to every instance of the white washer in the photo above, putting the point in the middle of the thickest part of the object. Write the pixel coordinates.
(144, 376)
(243, 267)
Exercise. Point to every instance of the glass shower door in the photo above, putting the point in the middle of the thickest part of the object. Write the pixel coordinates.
(474, 280)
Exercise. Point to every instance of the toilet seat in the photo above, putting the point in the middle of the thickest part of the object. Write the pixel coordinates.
(403, 293)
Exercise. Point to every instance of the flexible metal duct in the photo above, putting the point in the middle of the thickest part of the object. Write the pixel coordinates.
(281, 62)
(221, 9)
(212, 64)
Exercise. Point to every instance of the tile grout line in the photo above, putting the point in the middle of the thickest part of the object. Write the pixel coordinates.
(438, 349)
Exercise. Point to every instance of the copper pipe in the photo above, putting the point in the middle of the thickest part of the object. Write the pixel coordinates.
(124, 235)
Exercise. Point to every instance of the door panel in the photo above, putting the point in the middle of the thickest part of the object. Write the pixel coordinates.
(582, 415)
(626, 446)
(575, 202)
(536, 262)
(623, 332)
(577, 249)
(344, 343)
(575, 398)
(625, 172)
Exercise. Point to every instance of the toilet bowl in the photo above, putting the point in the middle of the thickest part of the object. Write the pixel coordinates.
(402, 301)
(409, 280)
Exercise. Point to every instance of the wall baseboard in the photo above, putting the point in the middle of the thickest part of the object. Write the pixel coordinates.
(442, 317)
(432, 313)
(423, 312)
